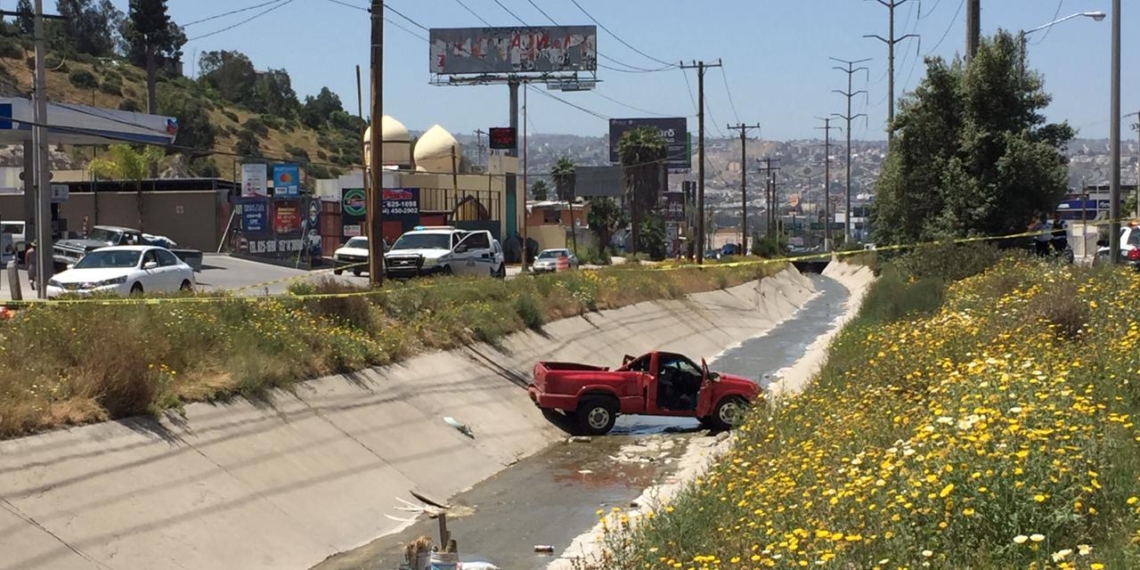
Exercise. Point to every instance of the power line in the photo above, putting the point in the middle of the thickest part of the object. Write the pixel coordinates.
(632, 68)
(618, 38)
(401, 14)
(508, 10)
(729, 91)
(474, 13)
(1056, 15)
(565, 102)
(386, 19)
(961, 5)
(628, 106)
(245, 21)
(230, 13)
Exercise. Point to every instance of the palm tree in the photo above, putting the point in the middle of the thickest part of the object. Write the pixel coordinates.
(641, 152)
(126, 163)
(563, 175)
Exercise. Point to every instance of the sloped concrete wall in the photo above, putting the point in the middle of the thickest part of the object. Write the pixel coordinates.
(285, 481)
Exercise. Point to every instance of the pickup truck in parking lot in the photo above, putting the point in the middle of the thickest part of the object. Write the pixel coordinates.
(654, 384)
(445, 250)
(68, 252)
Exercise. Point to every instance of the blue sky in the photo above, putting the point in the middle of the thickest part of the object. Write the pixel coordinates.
(775, 54)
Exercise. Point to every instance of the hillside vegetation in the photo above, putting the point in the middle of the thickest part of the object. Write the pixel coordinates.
(985, 423)
(230, 114)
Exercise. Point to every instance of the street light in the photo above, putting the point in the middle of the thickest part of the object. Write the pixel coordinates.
(1096, 16)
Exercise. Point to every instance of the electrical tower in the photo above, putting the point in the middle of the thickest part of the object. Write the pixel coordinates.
(743, 128)
(850, 69)
(827, 241)
(891, 40)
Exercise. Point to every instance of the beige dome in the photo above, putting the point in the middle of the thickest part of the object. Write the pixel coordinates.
(433, 150)
(391, 130)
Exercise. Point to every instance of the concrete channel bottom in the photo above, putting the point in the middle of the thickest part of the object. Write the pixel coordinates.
(285, 481)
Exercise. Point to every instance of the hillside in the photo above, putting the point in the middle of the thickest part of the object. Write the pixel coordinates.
(217, 130)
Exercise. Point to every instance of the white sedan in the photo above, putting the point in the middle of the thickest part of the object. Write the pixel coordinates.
(124, 270)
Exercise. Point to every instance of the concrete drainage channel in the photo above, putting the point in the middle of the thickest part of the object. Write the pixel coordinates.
(283, 481)
(553, 497)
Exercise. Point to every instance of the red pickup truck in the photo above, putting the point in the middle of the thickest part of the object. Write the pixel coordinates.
(654, 384)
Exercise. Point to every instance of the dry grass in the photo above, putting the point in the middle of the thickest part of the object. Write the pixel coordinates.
(99, 362)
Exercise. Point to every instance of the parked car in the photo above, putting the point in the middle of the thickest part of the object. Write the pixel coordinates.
(547, 260)
(654, 384)
(444, 250)
(67, 252)
(353, 252)
(712, 254)
(124, 270)
(1129, 247)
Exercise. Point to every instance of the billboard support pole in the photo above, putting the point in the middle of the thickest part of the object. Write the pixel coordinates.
(375, 171)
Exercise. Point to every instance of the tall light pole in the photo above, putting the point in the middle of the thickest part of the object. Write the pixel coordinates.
(1114, 141)
(1095, 15)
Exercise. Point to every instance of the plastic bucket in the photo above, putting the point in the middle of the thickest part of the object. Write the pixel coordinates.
(444, 561)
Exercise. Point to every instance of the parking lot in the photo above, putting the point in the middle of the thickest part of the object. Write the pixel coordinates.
(225, 273)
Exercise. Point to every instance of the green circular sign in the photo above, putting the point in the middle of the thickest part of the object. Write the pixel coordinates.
(353, 202)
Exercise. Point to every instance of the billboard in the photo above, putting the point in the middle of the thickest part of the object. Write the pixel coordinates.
(674, 130)
(287, 217)
(598, 181)
(545, 49)
(253, 180)
(253, 216)
(399, 203)
(286, 180)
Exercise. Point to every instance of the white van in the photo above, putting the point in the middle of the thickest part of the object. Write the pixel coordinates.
(13, 240)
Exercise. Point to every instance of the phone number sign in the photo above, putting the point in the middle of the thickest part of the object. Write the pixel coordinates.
(400, 203)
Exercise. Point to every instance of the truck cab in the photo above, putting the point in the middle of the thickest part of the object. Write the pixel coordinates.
(443, 250)
(654, 384)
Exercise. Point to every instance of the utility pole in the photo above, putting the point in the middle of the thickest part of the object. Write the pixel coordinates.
(40, 161)
(973, 28)
(827, 179)
(1114, 142)
(743, 128)
(891, 40)
(479, 143)
(850, 70)
(375, 174)
(701, 66)
(770, 191)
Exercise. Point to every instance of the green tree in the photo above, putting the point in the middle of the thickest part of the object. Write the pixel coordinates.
(641, 152)
(563, 174)
(972, 153)
(605, 218)
(126, 163)
(273, 94)
(88, 26)
(152, 40)
(539, 190)
(317, 110)
(26, 17)
(230, 74)
(195, 129)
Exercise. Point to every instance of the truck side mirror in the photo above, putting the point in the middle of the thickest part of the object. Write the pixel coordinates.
(713, 376)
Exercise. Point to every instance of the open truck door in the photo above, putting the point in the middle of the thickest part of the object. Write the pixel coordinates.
(705, 395)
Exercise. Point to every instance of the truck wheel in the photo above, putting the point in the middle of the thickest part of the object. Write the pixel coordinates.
(338, 272)
(356, 272)
(729, 412)
(597, 414)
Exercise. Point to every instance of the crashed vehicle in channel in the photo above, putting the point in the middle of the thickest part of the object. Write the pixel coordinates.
(654, 384)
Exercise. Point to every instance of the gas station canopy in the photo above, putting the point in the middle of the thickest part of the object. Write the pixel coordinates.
(84, 125)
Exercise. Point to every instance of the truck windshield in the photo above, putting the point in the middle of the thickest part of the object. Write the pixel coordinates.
(357, 243)
(104, 235)
(105, 259)
(423, 241)
(10, 228)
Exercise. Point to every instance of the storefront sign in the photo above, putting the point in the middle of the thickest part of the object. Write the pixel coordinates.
(253, 180)
(253, 215)
(400, 203)
(352, 212)
(287, 217)
(286, 180)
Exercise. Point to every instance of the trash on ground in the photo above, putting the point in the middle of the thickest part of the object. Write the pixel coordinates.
(461, 427)
(544, 549)
(580, 439)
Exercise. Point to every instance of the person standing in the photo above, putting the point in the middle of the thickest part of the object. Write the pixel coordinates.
(1044, 235)
(1060, 238)
(30, 260)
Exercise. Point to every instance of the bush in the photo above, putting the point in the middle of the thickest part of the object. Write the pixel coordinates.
(272, 122)
(529, 311)
(130, 105)
(231, 116)
(83, 79)
(322, 155)
(770, 247)
(11, 49)
(256, 126)
(297, 153)
(112, 87)
(950, 261)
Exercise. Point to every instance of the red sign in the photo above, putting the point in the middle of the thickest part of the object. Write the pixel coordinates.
(287, 217)
(504, 138)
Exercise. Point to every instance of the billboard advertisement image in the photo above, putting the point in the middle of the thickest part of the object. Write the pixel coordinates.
(286, 180)
(674, 130)
(546, 49)
(353, 212)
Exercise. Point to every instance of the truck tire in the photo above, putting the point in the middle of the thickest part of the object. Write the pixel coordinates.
(596, 414)
(729, 412)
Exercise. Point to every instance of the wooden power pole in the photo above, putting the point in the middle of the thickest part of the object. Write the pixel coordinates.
(973, 28)
(375, 218)
(743, 128)
(701, 66)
